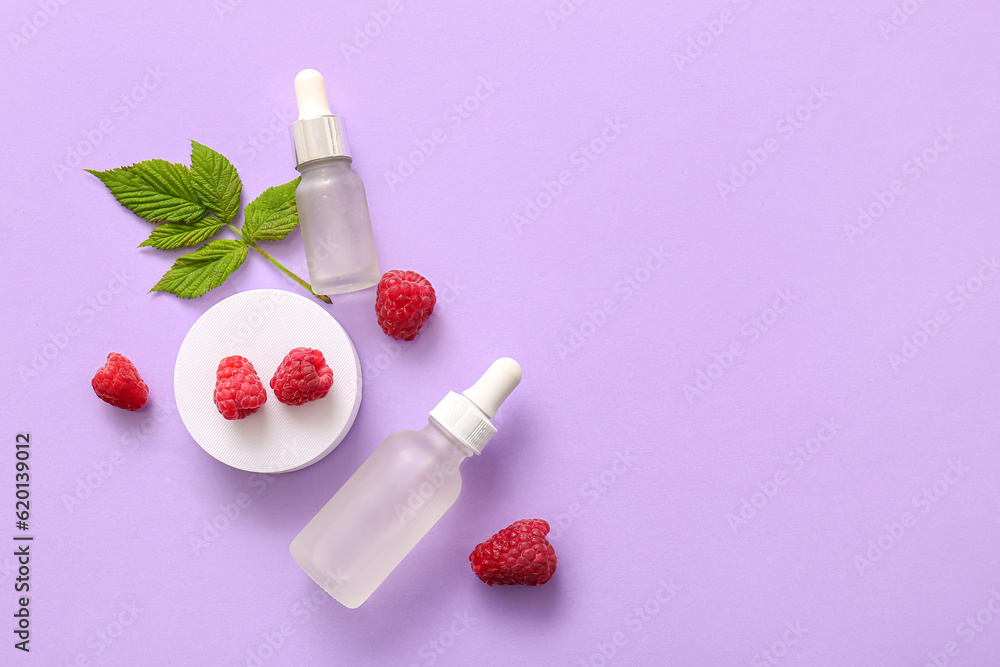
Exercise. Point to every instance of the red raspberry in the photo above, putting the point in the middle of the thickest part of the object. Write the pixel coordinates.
(117, 382)
(238, 391)
(302, 376)
(404, 301)
(518, 554)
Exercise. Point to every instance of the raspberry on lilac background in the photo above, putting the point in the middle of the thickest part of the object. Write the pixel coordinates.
(117, 382)
(517, 555)
(404, 301)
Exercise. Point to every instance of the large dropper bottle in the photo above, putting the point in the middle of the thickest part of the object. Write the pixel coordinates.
(400, 492)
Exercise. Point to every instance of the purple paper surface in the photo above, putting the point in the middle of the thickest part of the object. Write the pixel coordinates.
(746, 253)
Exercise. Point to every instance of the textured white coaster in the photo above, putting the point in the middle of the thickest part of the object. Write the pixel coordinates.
(263, 325)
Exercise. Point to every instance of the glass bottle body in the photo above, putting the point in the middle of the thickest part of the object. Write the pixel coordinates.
(336, 227)
(381, 513)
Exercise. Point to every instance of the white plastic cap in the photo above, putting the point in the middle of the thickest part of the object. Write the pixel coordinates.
(310, 93)
(467, 415)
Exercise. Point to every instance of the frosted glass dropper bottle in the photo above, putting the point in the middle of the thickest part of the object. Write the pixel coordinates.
(400, 492)
(333, 209)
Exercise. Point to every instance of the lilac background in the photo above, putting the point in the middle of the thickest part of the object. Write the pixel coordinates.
(611, 392)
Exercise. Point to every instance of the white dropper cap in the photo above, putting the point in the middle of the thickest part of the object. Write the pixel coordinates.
(467, 415)
(317, 134)
(495, 386)
(310, 93)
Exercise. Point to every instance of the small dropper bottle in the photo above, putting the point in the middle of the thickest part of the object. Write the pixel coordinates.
(333, 209)
(400, 492)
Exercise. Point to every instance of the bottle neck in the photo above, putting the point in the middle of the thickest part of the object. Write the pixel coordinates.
(446, 441)
(343, 161)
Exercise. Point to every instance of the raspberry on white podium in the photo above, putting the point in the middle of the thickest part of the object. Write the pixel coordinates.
(263, 325)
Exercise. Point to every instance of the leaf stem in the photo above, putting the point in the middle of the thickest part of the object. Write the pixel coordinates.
(281, 267)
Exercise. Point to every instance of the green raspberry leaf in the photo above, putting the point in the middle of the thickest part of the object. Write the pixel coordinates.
(272, 215)
(173, 235)
(215, 181)
(206, 268)
(156, 190)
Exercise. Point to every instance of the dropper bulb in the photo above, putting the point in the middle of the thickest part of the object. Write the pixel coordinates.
(310, 93)
(496, 384)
